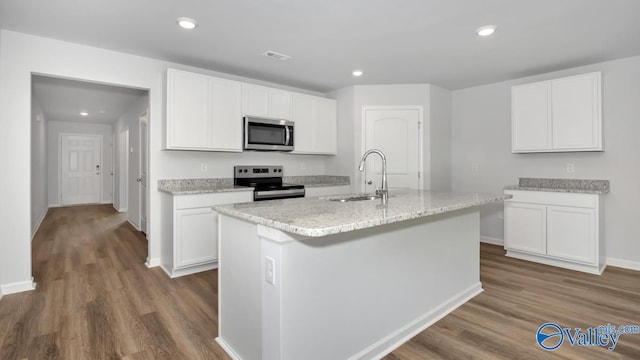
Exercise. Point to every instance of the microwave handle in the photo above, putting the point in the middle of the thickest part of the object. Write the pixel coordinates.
(287, 135)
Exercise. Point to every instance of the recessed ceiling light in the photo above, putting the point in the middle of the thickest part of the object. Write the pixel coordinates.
(357, 72)
(486, 30)
(187, 23)
(84, 113)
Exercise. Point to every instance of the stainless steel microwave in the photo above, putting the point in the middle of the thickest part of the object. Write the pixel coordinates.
(268, 134)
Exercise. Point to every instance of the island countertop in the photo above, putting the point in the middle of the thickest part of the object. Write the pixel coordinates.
(317, 217)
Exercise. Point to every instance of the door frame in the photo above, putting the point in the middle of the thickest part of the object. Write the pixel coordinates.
(142, 205)
(101, 179)
(421, 127)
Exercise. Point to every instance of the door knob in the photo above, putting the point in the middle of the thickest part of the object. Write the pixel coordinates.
(139, 179)
(369, 182)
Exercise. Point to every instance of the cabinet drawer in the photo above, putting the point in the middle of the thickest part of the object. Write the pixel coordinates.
(589, 201)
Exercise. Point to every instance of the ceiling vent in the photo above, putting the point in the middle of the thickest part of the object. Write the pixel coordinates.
(275, 55)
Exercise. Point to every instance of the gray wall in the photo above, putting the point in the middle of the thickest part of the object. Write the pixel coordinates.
(482, 158)
(39, 196)
(440, 134)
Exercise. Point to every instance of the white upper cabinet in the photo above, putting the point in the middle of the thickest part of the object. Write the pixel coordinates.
(267, 102)
(203, 112)
(315, 125)
(557, 115)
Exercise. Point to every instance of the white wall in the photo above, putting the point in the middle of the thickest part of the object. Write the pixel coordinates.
(20, 56)
(436, 130)
(343, 163)
(39, 193)
(55, 129)
(481, 133)
(440, 150)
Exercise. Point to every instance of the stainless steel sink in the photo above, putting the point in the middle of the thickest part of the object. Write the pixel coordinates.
(357, 198)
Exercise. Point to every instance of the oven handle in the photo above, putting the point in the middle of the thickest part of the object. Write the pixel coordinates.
(287, 135)
(274, 193)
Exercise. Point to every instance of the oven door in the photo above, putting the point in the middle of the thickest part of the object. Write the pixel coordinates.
(259, 195)
(268, 134)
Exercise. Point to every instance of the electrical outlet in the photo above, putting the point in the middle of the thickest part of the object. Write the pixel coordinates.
(270, 272)
(571, 168)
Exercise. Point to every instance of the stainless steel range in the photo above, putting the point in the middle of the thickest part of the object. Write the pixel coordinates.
(267, 182)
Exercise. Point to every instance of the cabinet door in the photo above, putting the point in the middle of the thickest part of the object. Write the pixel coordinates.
(305, 112)
(326, 127)
(571, 233)
(226, 115)
(187, 110)
(525, 227)
(531, 126)
(255, 100)
(576, 113)
(280, 104)
(196, 236)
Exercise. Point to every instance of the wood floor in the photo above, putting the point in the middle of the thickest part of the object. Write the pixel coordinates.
(95, 299)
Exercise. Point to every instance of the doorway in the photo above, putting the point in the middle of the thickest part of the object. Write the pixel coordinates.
(142, 171)
(76, 129)
(397, 132)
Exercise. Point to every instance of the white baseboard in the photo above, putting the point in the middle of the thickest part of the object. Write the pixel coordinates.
(223, 344)
(625, 264)
(136, 226)
(106, 202)
(55, 205)
(152, 262)
(17, 287)
(390, 342)
(38, 223)
(120, 210)
(490, 240)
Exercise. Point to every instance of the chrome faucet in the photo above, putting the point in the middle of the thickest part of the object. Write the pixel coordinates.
(384, 192)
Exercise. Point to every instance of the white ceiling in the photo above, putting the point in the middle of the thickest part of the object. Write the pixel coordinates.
(393, 41)
(64, 100)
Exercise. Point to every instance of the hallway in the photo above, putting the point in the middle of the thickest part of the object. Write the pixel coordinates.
(96, 299)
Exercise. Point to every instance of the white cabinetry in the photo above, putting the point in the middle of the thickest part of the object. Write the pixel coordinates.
(266, 102)
(315, 125)
(553, 228)
(557, 115)
(327, 190)
(203, 112)
(190, 230)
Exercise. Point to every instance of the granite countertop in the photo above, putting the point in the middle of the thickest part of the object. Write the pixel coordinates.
(319, 216)
(199, 186)
(579, 186)
(217, 185)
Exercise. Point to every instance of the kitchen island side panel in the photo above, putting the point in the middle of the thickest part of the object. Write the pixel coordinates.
(239, 289)
(358, 295)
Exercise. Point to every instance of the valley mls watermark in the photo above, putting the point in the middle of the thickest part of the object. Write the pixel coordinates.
(551, 336)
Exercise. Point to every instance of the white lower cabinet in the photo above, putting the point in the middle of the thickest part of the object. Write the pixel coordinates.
(190, 230)
(560, 229)
(525, 227)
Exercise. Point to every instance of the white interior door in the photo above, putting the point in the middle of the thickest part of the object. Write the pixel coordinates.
(142, 179)
(396, 132)
(80, 169)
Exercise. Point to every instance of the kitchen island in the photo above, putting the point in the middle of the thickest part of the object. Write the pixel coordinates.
(317, 278)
